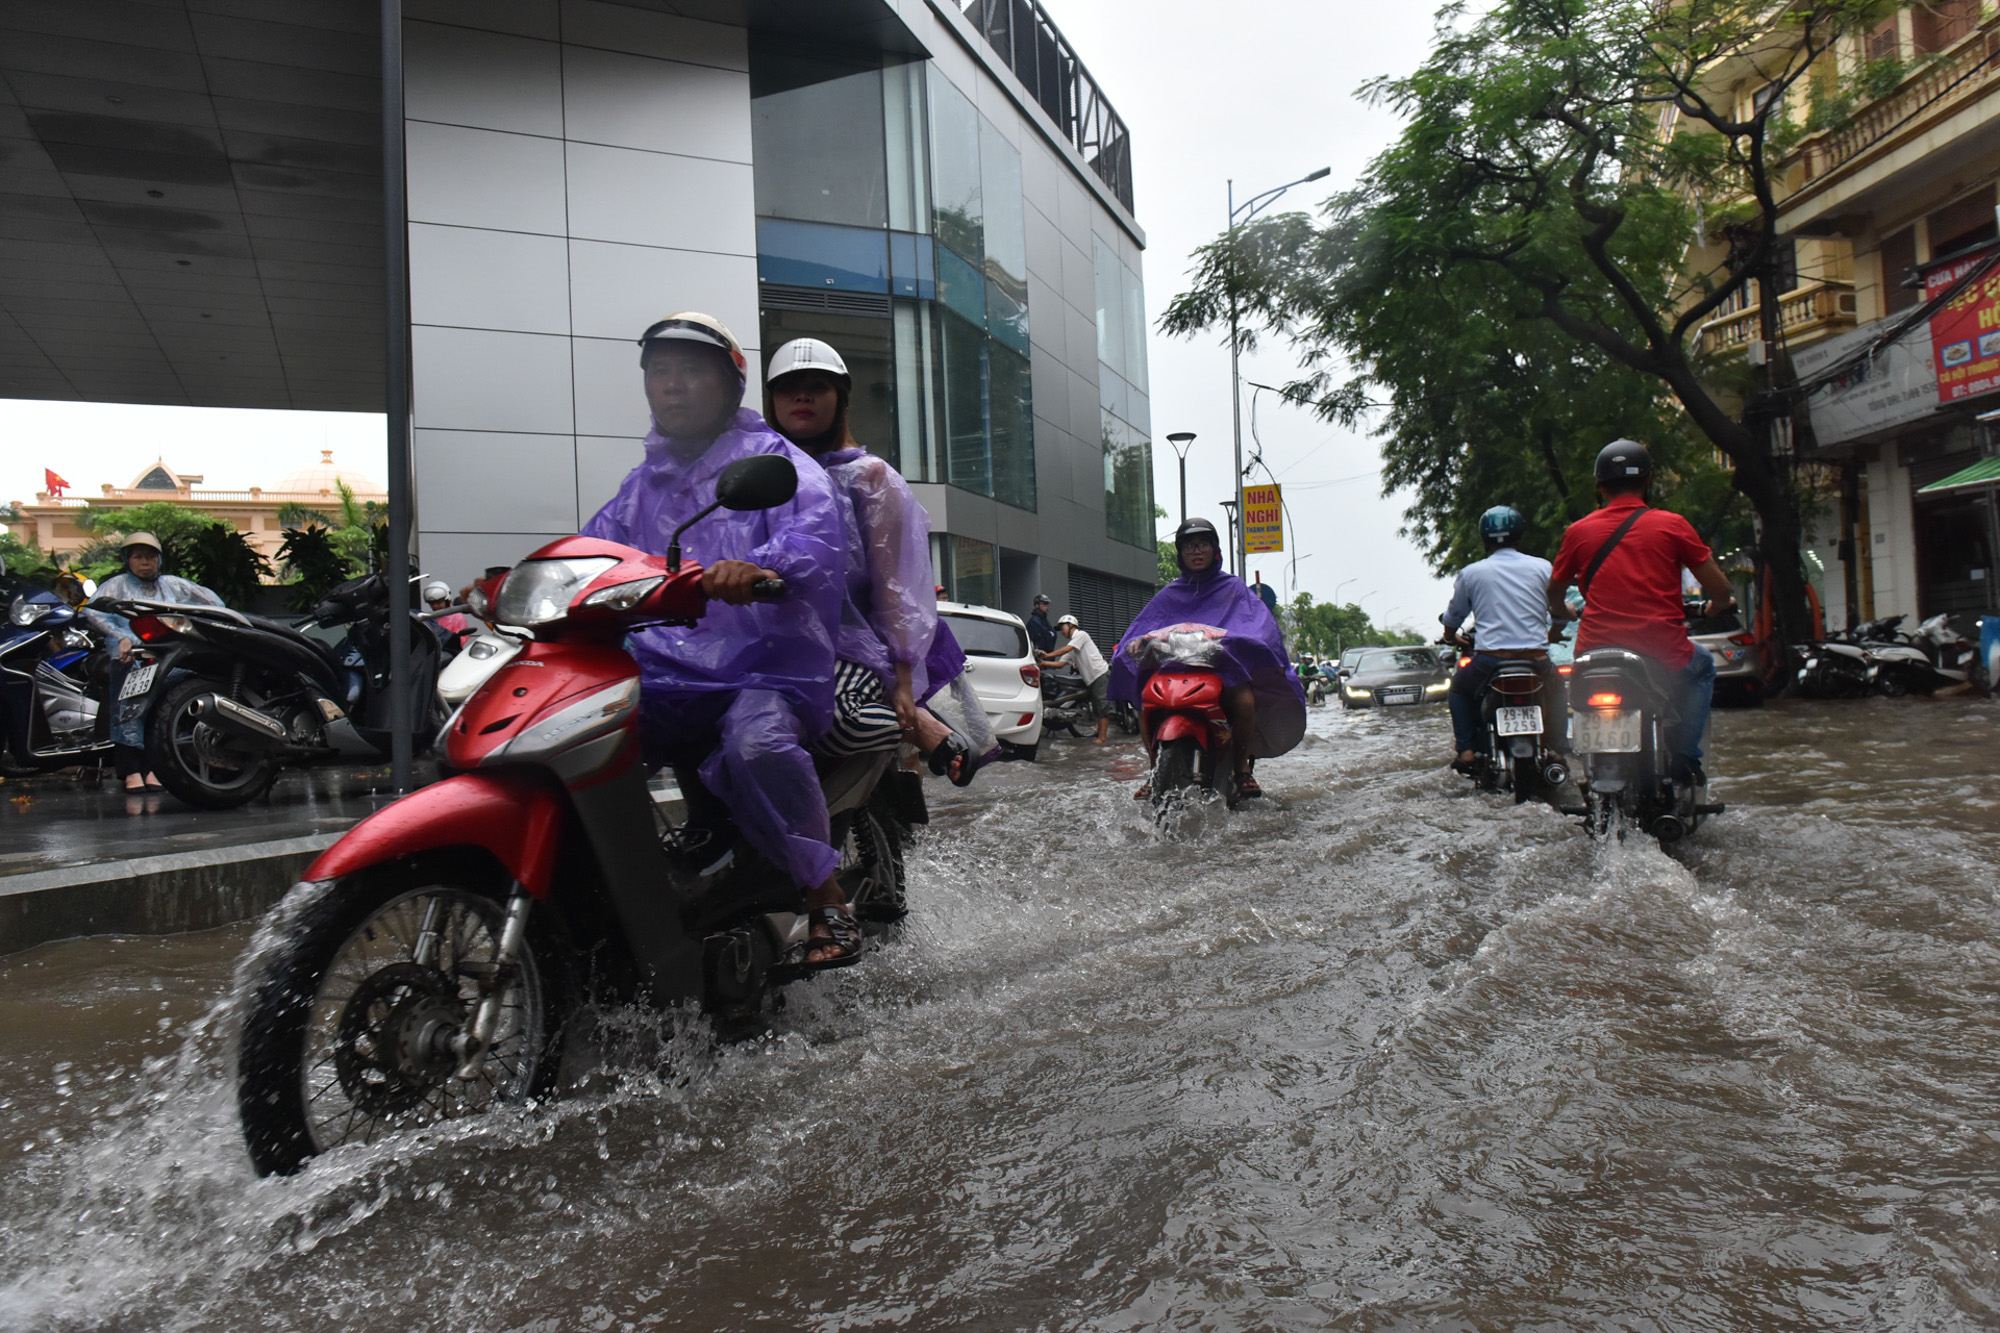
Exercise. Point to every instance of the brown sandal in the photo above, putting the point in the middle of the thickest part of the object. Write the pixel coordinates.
(843, 932)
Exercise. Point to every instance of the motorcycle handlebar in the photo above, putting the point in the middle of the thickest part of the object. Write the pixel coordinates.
(441, 614)
(768, 590)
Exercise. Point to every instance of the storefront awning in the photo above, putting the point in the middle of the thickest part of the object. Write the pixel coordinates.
(1986, 472)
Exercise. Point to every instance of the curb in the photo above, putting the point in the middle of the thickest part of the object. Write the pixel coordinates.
(152, 895)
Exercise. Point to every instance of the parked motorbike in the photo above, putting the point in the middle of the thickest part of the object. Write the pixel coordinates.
(425, 968)
(490, 648)
(52, 685)
(1181, 703)
(1518, 759)
(1622, 705)
(1066, 703)
(240, 696)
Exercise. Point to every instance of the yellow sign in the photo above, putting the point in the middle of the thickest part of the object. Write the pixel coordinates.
(1263, 519)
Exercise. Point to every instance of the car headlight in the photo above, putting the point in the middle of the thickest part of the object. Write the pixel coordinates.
(25, 612)
(538, 592)
(1353, 693)
(1439, 688)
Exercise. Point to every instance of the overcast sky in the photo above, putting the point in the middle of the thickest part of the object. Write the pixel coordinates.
(1263, 93)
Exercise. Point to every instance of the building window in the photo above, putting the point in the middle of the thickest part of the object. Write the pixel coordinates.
(1899, 256)
(1128, 483)
(1962, 223)
(867, 346)
(1883, 40)
(1124, 417)
(969, 569)
(958, 213)
(1943, 23)
(817, 139)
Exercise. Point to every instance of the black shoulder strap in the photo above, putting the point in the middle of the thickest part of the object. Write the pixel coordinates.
(1604, 551)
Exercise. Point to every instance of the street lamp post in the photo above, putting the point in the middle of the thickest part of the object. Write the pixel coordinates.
(1180, 440)
(1338, 586)
(1238, 213)
(1229, 509)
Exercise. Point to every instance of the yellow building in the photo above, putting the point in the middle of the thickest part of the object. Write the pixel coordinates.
(50, 522)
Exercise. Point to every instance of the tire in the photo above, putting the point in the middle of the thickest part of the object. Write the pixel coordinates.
(1891, 687)
(1026, 754)
(191, 760)
(1126, 718)
(1175, 770)
(871, 866)
(315, 1070)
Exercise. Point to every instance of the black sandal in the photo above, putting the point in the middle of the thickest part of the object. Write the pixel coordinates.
(843, 932)
(955, 746)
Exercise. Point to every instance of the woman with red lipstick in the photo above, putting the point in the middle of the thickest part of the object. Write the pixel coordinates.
(893, 653)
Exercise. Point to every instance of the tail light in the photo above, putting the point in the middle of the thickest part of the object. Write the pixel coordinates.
(1606, 699)
(1743, 640)
(1031, 675)
(1464, 662)
(1564, 669)
(151, 629)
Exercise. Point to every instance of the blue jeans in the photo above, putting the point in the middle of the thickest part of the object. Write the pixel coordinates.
(1697, 692)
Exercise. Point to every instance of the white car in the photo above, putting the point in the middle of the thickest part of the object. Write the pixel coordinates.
(1000, 665)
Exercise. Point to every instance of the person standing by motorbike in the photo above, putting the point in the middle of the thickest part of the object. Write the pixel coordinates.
(141, 580)
(894, 655)
(1090, 665)
(741, 694)
(1262, 697)
(451, 630)
(1040, 632)
(1507, 595)
(1627, 560)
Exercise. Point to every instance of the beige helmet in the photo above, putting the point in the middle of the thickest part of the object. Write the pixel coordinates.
(133, 539)
(693, 326)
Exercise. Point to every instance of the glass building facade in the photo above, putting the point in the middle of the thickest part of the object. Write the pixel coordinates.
(892, 222)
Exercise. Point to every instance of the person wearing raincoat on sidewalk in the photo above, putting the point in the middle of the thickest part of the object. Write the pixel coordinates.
(895, 656)
(740, 695)
(1260, 689)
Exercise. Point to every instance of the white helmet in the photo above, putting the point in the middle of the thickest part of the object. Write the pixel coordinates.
(436, 592)
(693, 326)
(806, 354)
(1069, 620)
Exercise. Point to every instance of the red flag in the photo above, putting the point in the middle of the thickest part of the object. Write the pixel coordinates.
(55, 484)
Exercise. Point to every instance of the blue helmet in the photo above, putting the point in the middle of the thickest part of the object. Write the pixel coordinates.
(1502, 524)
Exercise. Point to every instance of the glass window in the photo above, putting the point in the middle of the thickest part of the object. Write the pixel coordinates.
(959, 217)
(912, 266)
(1011, 415)
(960, 287)
(1135, 327)
(1110, 283)
(1006, 259)
(975, 572)
(961, 366)
(916, 409)
(1128, 484)
(981, 637)
(807, 254)
(866, 346)
(816, 139)
(1006, 319)
(908, 147)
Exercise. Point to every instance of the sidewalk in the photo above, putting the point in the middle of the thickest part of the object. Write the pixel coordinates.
(82, 859)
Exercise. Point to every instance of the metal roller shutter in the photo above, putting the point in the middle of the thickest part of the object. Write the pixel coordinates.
(1106, 605)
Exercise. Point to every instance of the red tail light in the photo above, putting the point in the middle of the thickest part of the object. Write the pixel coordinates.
(1564, 669)
(1031, 675)
(1743, 640)
(1606, 699)
(151, 629)
(1464, 662)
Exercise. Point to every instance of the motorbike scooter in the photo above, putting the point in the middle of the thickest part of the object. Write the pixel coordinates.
(52, 684)
(425, 967)
(240, 695)
(1519, 758)
(1180, 707)
(1621, 707)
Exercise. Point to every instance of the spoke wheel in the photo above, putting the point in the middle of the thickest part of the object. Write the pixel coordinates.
(351, 1033)
(871, 867)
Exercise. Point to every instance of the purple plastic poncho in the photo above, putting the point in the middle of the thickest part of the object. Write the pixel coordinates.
(890, 617)
(1250, 651)
(784, 646)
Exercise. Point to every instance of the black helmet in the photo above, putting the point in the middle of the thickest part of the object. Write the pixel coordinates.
(1196, 527)
(1624, 465)
(1502, 524)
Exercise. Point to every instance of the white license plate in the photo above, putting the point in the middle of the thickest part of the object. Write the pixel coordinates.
(1519, 721)
(138, 681)
(1596, 731)
(1409, 696)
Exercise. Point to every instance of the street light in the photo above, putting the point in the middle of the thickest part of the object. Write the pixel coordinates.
(1229, 509)
(1180, 440)
(1338, 586)
(1245, 212)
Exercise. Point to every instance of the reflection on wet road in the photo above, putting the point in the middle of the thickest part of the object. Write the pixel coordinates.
(1376, 1053)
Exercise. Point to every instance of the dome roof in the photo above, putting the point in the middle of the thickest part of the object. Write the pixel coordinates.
(321, 477)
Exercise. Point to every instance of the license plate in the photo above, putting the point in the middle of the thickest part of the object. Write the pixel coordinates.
(1600, 732)
(1519, 721)
(1406, 696)
(138, 681)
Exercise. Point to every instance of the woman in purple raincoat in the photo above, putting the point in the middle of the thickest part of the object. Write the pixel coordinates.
(1261, 691)
(894, 655)
(741, 693)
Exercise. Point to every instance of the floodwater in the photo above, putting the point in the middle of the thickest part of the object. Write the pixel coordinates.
(1378, 1053)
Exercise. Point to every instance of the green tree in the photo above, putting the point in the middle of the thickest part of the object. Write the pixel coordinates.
(223, 560)
(1559, 159)
(23, 559)
(313, 566)
(175, 525)
(1325, 629)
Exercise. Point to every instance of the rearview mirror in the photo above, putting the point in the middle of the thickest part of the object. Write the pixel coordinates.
(763, 482)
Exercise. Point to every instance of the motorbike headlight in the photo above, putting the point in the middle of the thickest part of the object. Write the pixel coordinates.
(538, 592)
(25, 612)
(624, 596)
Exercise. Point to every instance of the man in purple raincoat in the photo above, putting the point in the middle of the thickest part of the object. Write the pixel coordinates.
(1261, 691)
(743, 691)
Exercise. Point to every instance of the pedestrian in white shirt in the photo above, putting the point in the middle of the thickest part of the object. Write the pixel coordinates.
(1090, 662)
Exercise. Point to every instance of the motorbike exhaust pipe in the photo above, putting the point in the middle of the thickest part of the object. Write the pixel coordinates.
(1555, 773)
(246, 725)
(1669, 828)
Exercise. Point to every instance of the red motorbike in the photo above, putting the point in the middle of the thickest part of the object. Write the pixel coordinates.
(1180, 711)
(429, 962)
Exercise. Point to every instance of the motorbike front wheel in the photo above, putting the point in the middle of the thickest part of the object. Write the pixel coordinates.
(194, 759)
(1176, 769)
(349, 1024)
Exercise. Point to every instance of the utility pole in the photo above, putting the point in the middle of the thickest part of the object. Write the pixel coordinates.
(396, 395)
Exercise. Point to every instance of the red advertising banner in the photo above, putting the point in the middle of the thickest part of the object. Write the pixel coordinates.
(1965, 335)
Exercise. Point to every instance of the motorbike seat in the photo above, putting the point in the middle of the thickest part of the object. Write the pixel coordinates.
(1636, 668)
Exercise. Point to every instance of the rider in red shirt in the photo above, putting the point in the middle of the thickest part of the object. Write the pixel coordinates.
(1634, 598)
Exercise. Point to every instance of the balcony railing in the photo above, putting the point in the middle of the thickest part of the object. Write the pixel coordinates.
(1966, 71)
(1023, 35)
(1817, 308)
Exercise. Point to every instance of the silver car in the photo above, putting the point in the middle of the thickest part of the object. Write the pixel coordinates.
(1395, 678)
(1740, 662)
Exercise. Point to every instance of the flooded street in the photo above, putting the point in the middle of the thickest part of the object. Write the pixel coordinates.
(1376, 1053)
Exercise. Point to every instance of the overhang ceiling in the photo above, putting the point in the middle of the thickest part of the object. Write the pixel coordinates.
(190, 192)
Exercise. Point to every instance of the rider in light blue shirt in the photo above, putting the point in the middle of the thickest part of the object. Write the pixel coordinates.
(1507, 594)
